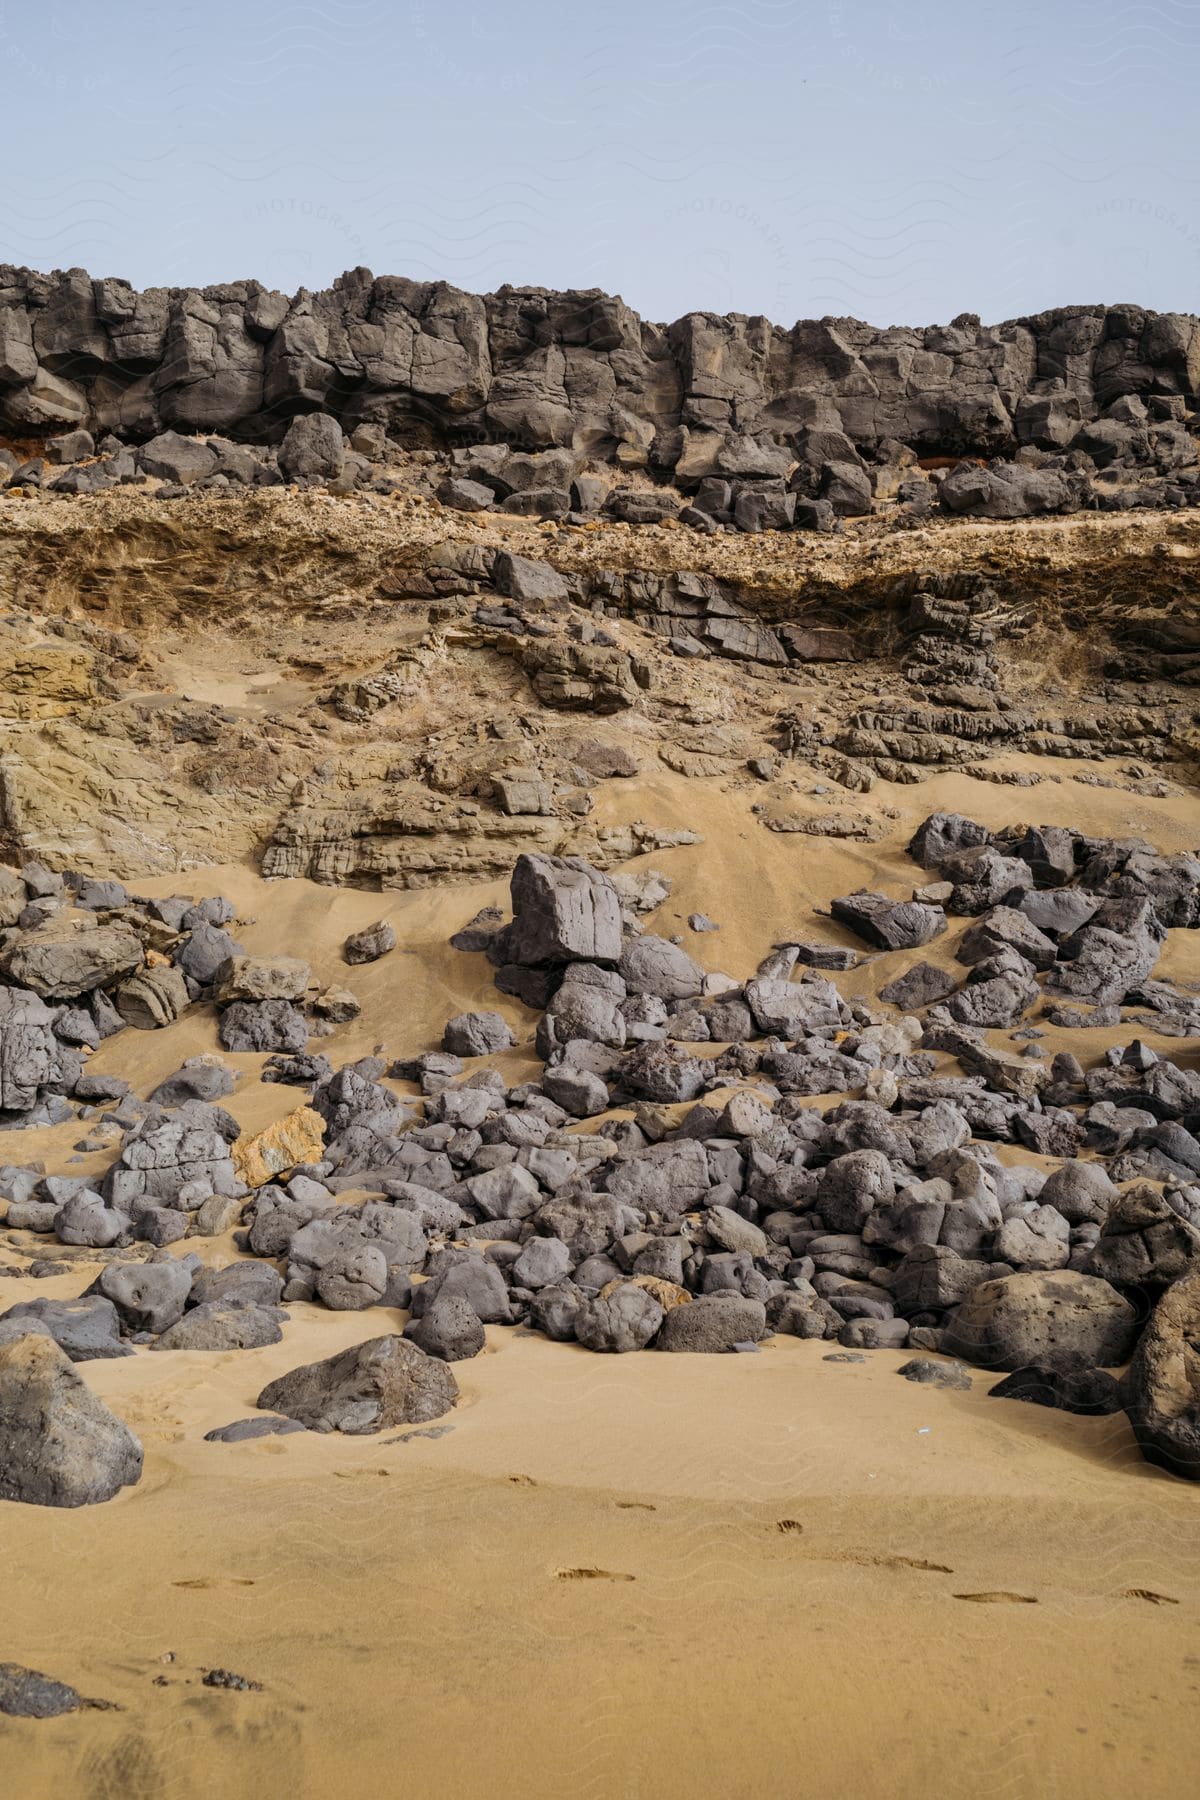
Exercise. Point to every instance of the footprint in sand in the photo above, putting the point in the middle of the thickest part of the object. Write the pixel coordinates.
(872, 1559)
(1000, 1598)
(1150, 1595)
(591, 1575)
(215, 1581)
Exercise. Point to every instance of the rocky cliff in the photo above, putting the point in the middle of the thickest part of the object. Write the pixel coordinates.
(729, 396)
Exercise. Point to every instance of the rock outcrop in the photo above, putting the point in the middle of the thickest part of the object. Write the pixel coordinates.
(706, 398)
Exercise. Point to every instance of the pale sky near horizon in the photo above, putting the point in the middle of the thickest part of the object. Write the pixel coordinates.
(896, 160)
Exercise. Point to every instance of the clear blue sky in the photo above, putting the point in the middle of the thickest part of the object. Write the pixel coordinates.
(898, 160)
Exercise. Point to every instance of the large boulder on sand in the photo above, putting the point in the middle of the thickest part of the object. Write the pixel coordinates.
(563, 911)
(383, 1382)
(313, 446)
(57, 961)
(261, 978)
(1058, 1319)
(59, 1443)
(1162, 1388)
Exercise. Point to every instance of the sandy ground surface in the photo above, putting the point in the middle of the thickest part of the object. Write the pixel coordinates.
(768, 1575)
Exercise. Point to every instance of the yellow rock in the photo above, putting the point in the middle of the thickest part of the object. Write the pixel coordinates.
(45, 681)
(298, 1138)
(667, 1293)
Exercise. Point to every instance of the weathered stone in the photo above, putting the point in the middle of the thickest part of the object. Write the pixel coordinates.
(260, 1157)
(59, 1444)
(712, 1323)
(370, 1387)
(370, 944)
(1162, 1388)
(1062, 1320)
(57, 961)
(261, 978)
(153, 998)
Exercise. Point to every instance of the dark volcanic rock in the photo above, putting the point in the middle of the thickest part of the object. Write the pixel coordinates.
(1089, 1391)
(382, 1382)
(1058, 1319)
(27, 1694)
(889, 924)
(59, 1444)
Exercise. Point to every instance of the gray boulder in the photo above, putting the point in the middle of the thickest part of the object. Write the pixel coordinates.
(1081, 1191)
(59, 1444)
(577, 1091)
(243, 1430)
(1060, 1319)
(449, 1329)
(527, 582)
(470, 1278)
(1148, 1238)
(624, 1320)
(544, 1262)
(1092, 1392)
(84, 1330)
(29, 1051)
(370, 944)
(177, 459)
(922, 985)
(254, 1282)
(205, 951)
(226, 1324)
(57, 962)
(149, 1296)
(653, 965)
(261, 978)
(199, 1078)
(263, 1025)
(477, 1034)
(28, 1694)
(86, 1221)
(889, 924)
(711, 1323)
(563, 911)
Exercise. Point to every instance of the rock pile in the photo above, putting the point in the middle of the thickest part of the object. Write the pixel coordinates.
(676, 1221)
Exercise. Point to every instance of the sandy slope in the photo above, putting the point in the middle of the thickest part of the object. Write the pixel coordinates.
(583, 1586)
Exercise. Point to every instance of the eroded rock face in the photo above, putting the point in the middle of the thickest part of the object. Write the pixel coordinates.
(29, 1051)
